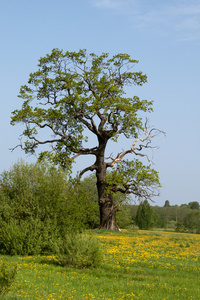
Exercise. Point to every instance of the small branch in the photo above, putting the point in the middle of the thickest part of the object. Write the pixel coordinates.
(20, 145)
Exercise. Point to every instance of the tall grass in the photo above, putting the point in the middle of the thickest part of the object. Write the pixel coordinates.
(137, 265)
(7, 278)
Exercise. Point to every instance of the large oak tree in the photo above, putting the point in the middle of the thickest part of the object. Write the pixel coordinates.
(75, 92)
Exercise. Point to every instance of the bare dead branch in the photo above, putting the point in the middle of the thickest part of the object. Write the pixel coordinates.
(149, 135)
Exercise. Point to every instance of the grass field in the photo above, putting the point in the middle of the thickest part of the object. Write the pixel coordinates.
(138, 265)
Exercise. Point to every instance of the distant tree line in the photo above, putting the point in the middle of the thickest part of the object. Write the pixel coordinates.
(185, 217)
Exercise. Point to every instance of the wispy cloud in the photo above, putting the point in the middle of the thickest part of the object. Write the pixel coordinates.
(185, 20)
(108, 4)
(116, 6)
(188, 8)
(178, 19)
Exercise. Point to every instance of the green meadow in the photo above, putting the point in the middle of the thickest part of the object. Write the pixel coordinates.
(137, 265)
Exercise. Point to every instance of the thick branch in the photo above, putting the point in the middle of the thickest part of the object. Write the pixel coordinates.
(85, 151)
(92, 127)
(90, 168)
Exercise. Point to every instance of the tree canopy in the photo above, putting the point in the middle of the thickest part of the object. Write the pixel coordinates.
(73, 93)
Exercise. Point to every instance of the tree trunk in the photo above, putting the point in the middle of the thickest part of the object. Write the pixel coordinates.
(106, 205)
(108, 215)
(107, 208)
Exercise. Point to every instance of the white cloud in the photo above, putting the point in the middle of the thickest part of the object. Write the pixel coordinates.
(179, 19)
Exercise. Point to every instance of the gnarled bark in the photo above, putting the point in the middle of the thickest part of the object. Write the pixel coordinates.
(108, 215)
(106, 205)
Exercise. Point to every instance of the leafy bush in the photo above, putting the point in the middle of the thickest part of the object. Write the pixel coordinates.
(179, 226)
(88, 192)
(38, 205)
(30, 237)
(80, 251)
(124, 217)
(7, 277)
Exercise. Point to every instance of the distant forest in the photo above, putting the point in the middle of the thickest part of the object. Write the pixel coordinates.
(185, 217)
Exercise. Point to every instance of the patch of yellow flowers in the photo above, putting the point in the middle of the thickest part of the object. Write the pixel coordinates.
(38, 278)
(154, 247)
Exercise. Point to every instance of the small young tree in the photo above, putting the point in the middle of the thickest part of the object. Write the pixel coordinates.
(73, 93)
(167, 204)
(144, 216)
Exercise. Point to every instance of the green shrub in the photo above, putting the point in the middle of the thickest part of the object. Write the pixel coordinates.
(38, 205)
(30, 237)
(7, 277)
(179, 226)
(124, 217)
(80, 251)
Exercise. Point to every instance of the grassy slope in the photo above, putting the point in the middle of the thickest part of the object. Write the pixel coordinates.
(138, 265)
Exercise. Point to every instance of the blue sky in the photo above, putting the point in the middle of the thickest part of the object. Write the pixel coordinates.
(163, 35)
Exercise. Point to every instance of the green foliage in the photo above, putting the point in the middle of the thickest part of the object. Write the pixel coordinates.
(167, 204)
(80, 251)
(76, 86)
(124, 217)
(7, 277)
(194, 205)
(192, 221)
(35, 190)
(73, 93)
(38, 205)
(136, 178)
(179, 226)
(87, 192)
(145, 217)
(185, 217)
(29, 237)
